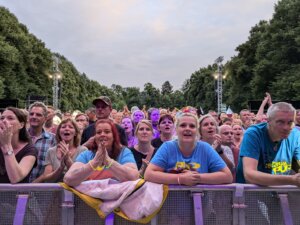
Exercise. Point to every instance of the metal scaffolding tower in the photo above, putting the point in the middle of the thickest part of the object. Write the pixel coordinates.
(219, 83)
(56, 76)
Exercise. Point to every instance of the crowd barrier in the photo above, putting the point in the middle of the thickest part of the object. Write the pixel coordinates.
(235, 204)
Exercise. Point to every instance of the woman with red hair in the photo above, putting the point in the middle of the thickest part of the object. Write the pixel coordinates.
(107, 158)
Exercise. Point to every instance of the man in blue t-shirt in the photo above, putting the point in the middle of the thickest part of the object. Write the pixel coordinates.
(268, 149)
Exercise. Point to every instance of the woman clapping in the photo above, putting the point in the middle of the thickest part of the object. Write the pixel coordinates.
(107, 158)
(61, 157)
(17, 156)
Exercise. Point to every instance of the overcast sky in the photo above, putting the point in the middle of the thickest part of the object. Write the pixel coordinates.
(131, 42)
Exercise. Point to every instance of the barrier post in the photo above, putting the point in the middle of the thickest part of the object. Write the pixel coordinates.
(238, 207)
(198, 212)
(67, 208)
(285, 209)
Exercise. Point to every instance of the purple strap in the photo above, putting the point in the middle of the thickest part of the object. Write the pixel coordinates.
(21, 209)
(285, 208)
(198, 215)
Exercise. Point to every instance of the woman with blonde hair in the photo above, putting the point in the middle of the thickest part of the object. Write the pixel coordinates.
(208, 129)
(187, 160)
(61, 157)
(143, 151)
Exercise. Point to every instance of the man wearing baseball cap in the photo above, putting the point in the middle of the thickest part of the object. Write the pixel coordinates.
(103, 110)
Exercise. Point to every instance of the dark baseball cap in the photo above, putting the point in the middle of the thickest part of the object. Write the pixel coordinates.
(104, 99)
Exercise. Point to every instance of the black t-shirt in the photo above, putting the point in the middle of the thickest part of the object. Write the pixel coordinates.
(28, 149)
(156, 143)
(139, 156)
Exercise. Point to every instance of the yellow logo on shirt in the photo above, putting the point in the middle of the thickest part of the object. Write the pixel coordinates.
(281, 167)
(187, 166)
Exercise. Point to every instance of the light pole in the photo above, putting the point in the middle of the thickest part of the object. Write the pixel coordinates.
(219, 78)
(56, 76)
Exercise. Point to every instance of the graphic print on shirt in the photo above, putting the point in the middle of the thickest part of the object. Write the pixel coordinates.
(181, 166)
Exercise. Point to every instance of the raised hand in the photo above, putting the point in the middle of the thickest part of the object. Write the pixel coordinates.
(62, 162)
(90, 143)
(217, 142)
(101, 154)
(5, 133)
(63, 149)
(269, 99)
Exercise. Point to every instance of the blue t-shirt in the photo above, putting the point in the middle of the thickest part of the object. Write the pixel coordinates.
(273, 158)
(125, 156)
(204, 158)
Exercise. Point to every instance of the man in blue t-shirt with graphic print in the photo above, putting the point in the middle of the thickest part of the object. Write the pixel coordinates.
(268, 149)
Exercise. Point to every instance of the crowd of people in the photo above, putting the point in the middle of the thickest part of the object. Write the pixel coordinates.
(169, 147)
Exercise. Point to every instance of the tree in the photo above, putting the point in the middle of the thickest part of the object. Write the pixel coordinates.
(198, 90)
(1, 87)
(268, 61)
(178, 100)
(166, 88)
(151, 95)
(132, 97)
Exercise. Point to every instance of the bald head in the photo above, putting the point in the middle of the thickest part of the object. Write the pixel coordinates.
(226, 134)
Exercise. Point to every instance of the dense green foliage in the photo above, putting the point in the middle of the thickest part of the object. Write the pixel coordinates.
(268, 61)
(25, 65)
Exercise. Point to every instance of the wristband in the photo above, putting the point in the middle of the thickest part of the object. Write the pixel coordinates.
(110, 164)
(98, 168)
(178, 180)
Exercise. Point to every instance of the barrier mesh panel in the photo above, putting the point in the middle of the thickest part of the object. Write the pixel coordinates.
(8, 203)
(42, 208)
(294, 203)
(84, 214)
(262, 208)
(120, 221)
(177, 209)
(217, 207)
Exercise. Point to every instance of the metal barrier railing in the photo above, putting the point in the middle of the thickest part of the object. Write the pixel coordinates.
(235, 204)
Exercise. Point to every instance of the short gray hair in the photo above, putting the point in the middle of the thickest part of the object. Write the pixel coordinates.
(279, 107)
(41, 105)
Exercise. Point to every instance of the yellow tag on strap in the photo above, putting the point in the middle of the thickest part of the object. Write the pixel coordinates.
(98, 168)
